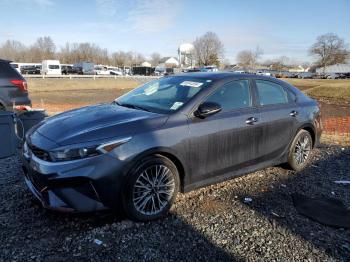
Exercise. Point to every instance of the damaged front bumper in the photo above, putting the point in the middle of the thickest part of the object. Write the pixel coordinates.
(84, 185)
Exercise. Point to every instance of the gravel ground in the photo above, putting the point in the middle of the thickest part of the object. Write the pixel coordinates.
(209, 224)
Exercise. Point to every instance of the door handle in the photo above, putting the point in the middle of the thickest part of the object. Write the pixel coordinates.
(251, 120)
(293, 113)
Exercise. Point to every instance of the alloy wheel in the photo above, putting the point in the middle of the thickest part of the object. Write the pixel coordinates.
(302, 150)
(153, 190)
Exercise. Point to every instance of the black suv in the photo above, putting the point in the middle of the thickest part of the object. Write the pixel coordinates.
(13, 87)
(31, 70)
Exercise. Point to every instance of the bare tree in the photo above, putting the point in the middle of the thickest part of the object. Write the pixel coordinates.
(119, 58)
(155, 58)
(249, 58)
(73, 53)
(245, 58)
(208, 49)
(13, 50)
(43, 48)
(330, 49)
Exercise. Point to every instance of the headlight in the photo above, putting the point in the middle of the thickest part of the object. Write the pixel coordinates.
(84, 152)
(75, 153)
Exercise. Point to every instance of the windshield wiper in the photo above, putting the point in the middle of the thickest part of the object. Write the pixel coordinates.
(132, 106)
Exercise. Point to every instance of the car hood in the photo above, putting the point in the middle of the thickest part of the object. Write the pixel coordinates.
(97, 123)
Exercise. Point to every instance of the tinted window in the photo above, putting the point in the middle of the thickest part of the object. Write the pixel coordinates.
(232, 95)
(54, 67)
(7, 71)
(270, 93)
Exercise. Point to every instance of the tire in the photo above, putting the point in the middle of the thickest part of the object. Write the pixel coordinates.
(2, 107)
(300, 151)
(142, 198)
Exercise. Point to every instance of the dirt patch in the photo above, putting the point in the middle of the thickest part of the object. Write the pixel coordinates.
(74, 98)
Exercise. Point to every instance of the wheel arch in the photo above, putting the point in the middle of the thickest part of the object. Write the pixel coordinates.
(168, 153)
(311, 129)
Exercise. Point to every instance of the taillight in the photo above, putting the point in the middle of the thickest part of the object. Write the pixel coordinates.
(21, 84)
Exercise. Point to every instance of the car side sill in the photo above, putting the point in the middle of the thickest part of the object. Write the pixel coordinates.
(237, 173)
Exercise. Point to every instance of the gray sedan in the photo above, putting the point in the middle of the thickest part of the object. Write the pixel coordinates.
(176, 133)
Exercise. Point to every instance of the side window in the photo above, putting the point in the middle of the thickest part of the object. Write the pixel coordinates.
(233, 95)
(270, 93)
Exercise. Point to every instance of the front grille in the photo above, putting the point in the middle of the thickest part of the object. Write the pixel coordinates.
(38, 181)
(39, 153)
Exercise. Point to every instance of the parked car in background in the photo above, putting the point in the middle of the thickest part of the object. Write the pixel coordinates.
(114, 71)
(66, 69)
(51, 67)
(13, 87)
(209, 69)
(263, 73)
(83, 68)
(335, 76)
(173, 134)
(31, 70)
(306, 75)
(101, 70)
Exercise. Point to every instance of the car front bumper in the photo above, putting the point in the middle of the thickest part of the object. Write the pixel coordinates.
(83, 185)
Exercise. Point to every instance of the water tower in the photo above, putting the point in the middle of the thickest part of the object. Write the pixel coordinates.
(185, 53)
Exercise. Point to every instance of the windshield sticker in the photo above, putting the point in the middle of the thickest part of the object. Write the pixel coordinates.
(191, 84)
(176, 105)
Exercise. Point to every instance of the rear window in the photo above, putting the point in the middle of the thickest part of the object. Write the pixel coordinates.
(270, 93)
(6, 71)
(54, 67)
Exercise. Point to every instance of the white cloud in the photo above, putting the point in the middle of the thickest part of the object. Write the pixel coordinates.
(140, 15)
(153, 15)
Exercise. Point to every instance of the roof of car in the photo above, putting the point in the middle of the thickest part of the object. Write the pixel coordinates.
(220, 75)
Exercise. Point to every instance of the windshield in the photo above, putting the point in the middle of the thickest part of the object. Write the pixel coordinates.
(164, 95)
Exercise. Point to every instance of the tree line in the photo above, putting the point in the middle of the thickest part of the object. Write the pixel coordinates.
(329, 49)
(208, 50)
(44, 49)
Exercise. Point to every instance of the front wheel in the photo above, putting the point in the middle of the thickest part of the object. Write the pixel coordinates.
(300, 150)
(151, 189)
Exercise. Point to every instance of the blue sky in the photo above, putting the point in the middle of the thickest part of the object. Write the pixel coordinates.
(278, 27)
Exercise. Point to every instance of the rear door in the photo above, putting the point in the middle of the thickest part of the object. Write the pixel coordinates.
(278, 115)
(227, 140)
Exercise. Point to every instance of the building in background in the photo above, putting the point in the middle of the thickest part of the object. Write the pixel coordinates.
(334, 69)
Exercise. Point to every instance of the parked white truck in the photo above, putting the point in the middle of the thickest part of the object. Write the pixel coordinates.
(51, 67)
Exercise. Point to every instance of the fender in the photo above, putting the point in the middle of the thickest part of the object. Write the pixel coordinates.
(173, 155)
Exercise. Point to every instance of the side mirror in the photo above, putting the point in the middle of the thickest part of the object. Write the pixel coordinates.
(207, 109)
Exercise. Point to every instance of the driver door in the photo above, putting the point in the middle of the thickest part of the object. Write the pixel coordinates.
(227, 140)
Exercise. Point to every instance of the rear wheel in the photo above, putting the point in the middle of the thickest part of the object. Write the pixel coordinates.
(300, 150)
(151, 189)
(2, 107)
